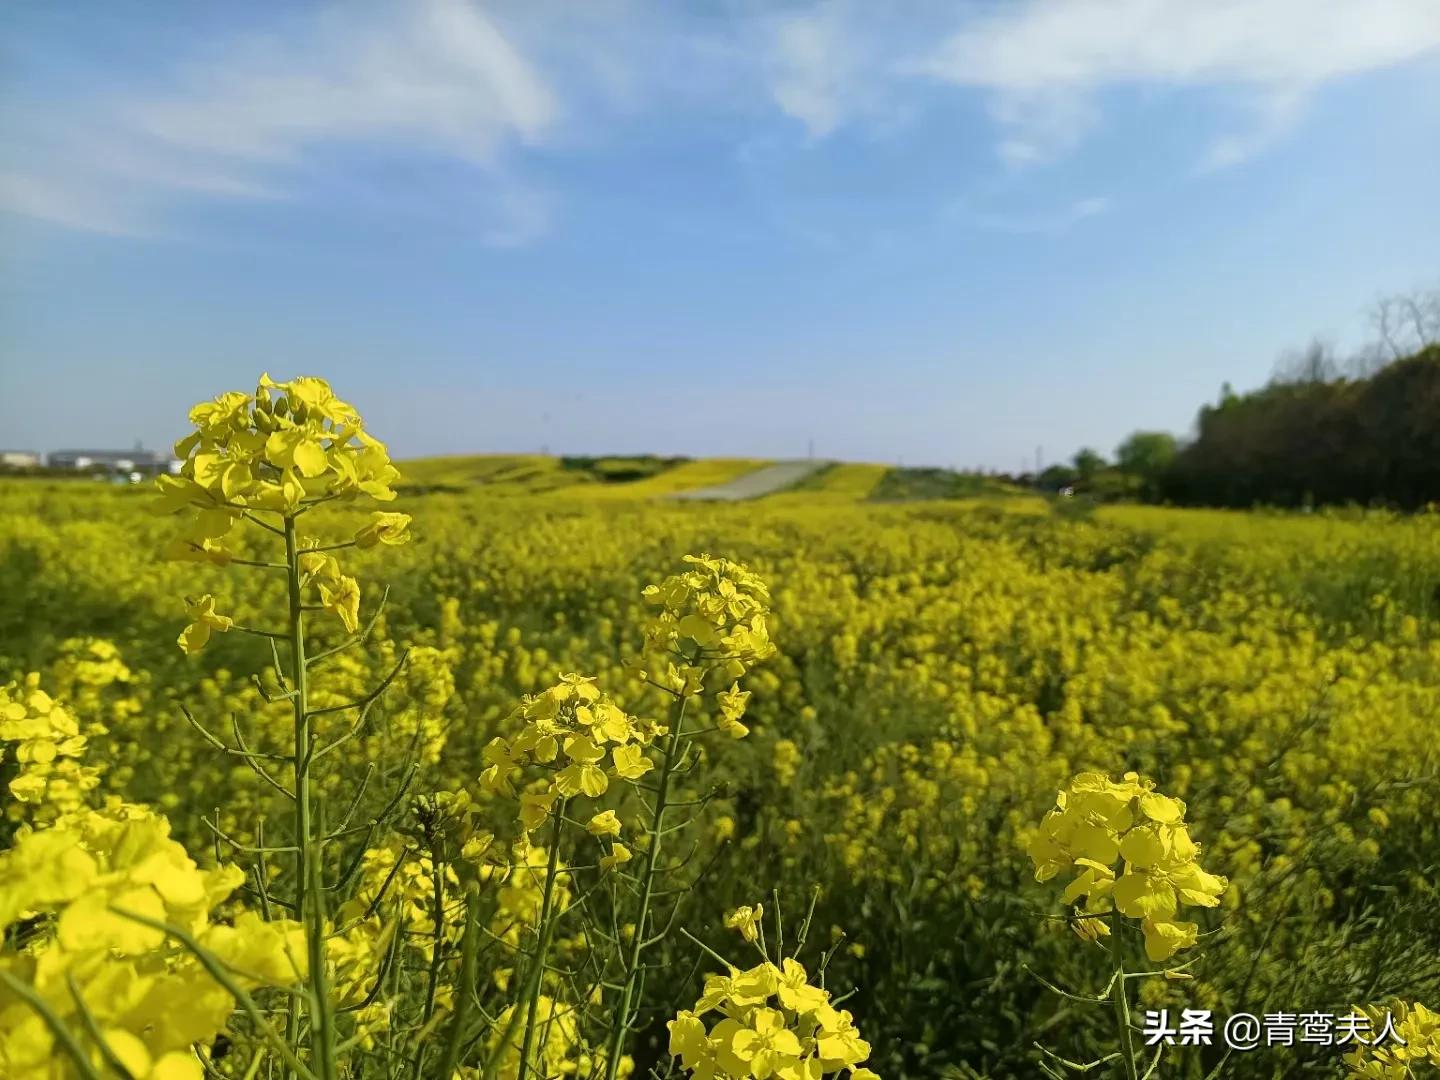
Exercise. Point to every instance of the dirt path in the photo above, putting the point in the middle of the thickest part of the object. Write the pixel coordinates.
(752, 485)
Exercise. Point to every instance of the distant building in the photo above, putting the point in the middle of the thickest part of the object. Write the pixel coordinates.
(138, 460)
(19, 459)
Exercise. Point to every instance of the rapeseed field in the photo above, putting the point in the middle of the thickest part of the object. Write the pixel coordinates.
(319, 765)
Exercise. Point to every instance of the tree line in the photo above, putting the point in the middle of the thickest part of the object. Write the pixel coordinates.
(1364, 430)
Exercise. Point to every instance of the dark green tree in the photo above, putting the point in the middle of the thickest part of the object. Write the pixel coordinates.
(1088, 464)
(1146, 456)
(1314, 442)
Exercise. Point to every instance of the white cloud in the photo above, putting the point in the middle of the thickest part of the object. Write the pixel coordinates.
(248, 122)
(812, 67)
(1067, 50)
(1041, 125)
(1272, 113)
(443, 76)
(1088, 42)
(454, 82)
(74, 206)
(1046, 64)
(829, 65)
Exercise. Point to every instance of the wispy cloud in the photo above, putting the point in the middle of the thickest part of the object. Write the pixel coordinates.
(75, 206)
(1270, 114)
(829, 65)
(812, 67)
(1042, 124)
(443, 76)
(1032, 54)
(468, 87)
(253, 119)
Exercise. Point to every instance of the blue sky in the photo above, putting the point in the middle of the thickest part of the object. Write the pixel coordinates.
(920, 232)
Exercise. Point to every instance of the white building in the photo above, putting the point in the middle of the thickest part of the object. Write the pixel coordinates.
(139, 460)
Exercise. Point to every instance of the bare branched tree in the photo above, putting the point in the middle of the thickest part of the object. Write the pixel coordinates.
(1314, 363)
(1368, 361)
(1406, 323)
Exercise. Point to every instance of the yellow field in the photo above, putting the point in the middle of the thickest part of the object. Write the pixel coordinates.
(942, 669)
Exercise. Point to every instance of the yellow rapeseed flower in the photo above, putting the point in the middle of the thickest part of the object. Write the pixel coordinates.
(1098, 822)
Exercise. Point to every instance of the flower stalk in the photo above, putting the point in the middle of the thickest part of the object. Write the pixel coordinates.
(536, 980)
(1120, 1001)
(648, 873)
(309, 891)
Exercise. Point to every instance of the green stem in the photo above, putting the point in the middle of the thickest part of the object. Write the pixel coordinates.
(621, 1029)
(542, 948)
(308, 894)
(1120, 999)
(464, 992)
(437, 958)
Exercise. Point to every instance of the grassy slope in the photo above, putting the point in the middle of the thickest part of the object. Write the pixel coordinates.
(688, 476)
(526, 474)
(611, 478)
(529, 474)
(646, 477)
(903, 485)
(514, 473)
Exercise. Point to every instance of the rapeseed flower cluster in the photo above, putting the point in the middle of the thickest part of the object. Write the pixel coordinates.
(582, 740)
(709, 619)
(769, 1022)
(1098, 823)
(90, 675)
(289, 446)
(1413, 1052)
(41, 747)
(92, 900)
(286, 444)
